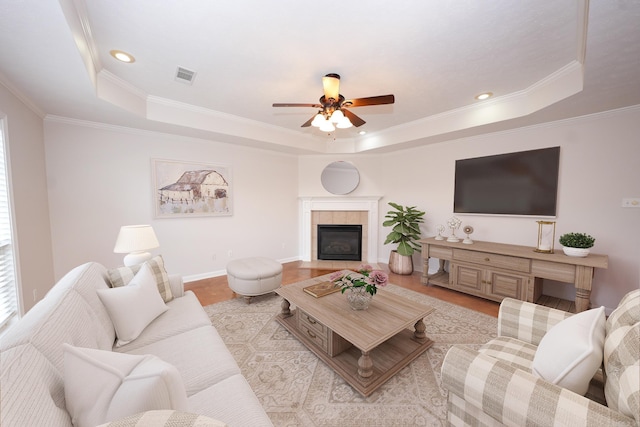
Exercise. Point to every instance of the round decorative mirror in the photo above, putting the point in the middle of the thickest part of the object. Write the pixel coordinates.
(340, 178)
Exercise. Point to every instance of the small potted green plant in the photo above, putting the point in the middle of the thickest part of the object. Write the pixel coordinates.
(405, 223)
(576, 244)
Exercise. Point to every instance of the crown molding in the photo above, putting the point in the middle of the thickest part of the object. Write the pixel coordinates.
(22, 97)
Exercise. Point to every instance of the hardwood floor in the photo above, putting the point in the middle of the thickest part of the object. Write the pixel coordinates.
(216, 289)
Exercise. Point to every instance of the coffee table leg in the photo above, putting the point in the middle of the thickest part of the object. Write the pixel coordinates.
(286, 312)
(419, 330)
(365, 365)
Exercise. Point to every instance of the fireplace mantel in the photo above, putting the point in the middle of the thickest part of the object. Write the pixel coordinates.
(368, 204)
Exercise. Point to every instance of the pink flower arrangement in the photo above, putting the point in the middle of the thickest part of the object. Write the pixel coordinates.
(365, 277)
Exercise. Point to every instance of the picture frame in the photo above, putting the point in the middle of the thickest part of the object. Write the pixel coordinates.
(191, 189)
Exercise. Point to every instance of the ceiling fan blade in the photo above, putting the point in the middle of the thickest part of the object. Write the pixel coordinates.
(372, 100)
(290, 104)
(331, 86)
(355, 120)
(308, 122)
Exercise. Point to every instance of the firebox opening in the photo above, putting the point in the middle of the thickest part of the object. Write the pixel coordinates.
(340, 242)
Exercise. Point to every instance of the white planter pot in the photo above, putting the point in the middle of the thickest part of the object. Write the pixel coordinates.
(577, 252)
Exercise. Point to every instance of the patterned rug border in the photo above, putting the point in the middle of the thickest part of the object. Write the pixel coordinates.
(297, 389)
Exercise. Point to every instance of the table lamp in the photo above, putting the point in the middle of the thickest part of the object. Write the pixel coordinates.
(135, 241)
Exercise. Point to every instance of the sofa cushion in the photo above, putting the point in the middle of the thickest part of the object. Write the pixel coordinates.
(134, 306)
(232, 401)
(570, 353)
(101, 386)
(71, 312)
(513, 351)
(165, 418)
(184, 314)
(621, 355)
(121, 276)
(200, 356)
(627, 313)
(31, 389)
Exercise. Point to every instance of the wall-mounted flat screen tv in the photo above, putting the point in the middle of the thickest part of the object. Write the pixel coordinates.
(522, 183)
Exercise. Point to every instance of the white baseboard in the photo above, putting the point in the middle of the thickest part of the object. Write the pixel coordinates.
(218, 273)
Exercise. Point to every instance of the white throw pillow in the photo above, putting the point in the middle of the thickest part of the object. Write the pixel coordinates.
(101, 386)
(571, 352)
(132, 307)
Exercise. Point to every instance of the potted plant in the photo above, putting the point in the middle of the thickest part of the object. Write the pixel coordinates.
(576, 244)
(405, 223)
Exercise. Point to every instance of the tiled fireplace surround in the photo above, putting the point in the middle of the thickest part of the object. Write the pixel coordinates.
(339, 210)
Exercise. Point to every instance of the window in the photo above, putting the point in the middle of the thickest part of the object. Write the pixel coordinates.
(8, 301)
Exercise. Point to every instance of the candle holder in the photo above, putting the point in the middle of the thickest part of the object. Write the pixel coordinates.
(454, 224)
(546, 236)
(467, 230)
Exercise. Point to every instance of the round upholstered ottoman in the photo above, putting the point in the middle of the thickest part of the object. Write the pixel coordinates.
(254, 276)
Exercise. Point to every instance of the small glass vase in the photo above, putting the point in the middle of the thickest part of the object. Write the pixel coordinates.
(358, 298)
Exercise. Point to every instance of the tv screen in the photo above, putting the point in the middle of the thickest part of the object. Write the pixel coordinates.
(522, 183)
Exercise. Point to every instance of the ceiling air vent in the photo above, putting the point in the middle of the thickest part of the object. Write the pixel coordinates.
(185, 76)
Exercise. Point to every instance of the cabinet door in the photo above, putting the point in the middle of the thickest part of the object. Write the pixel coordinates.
(466, 277)
(504, 285)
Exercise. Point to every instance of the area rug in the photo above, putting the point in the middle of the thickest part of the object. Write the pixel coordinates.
(297, 389)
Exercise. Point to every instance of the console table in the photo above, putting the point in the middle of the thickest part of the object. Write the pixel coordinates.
(496, 270)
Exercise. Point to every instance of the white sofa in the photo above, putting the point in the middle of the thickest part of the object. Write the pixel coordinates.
(32, 359)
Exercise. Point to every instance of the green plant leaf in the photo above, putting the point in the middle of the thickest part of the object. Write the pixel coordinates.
(404, 248)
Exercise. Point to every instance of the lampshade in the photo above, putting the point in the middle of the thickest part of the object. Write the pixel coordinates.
(344, 123)
(331, 85)
(135, 240)
(327, 126)
(337, 116)
(318, 120)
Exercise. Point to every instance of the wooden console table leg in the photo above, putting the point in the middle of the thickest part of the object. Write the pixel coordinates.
(285, 305)
(584, 277)
(419, 334)
(365, 365)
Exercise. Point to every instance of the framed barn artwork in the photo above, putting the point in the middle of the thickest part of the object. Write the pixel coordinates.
(191, 189)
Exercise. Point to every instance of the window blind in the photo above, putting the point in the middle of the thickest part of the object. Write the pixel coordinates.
(8, 301)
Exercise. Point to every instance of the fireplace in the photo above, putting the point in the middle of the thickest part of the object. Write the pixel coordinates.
(340, 242)
(339, 210)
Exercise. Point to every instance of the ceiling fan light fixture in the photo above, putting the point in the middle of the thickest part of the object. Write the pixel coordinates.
(327, 126)
(334, 109)
(344, 123)
(318, 120)
(331, 85)
(337, 116)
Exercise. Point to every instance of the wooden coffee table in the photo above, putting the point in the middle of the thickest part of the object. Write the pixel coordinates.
(366, 347)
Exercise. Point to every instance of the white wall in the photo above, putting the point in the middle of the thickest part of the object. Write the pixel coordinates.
(100, 179)
(25, 142)
(598, 167)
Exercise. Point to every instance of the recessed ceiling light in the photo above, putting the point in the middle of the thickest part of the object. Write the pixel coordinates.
(484, 96)
(362, 132)
(123, 56)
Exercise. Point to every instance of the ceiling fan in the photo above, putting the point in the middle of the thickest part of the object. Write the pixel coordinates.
(333, 107)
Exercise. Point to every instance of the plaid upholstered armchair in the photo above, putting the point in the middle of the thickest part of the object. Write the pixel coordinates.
(503, 383)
